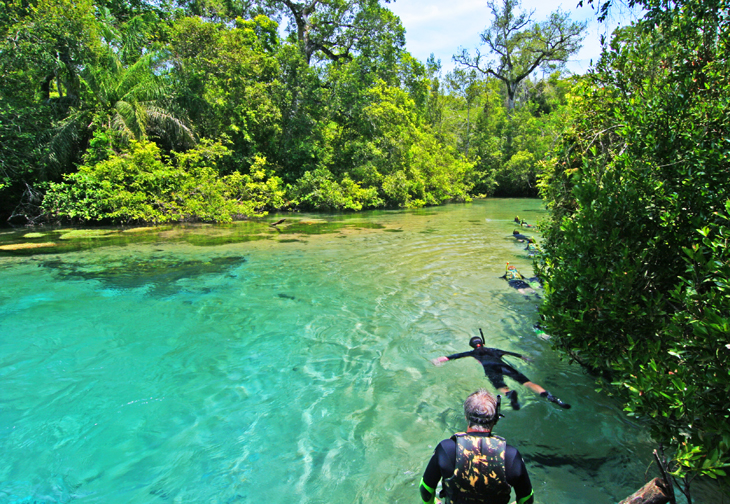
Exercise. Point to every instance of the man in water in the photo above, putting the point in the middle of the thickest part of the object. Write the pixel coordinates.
(533, 249)
(516, 280)
(495, 369)
(475, 465)
(522, 238)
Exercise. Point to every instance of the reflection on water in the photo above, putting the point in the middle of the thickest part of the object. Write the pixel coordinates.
(51, 240)
(288, 367)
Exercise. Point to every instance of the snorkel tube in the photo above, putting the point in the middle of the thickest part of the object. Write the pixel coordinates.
(498, 412)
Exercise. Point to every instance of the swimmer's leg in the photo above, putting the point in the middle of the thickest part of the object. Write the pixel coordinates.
(522, 287)
(509, 371)
(526, 292)
(512, 373)
(512, 396)
(494, 374)
(544, 393)
(534, 387)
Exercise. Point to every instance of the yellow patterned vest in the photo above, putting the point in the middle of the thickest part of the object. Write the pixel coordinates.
(479, 476)
(512, 273)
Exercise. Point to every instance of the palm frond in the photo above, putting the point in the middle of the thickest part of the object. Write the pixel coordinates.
(139, 81)
(128, 121)
(165, 124)
(63, 144)
(129, 100)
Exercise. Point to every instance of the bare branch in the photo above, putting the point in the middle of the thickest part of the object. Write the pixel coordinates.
(518, 46)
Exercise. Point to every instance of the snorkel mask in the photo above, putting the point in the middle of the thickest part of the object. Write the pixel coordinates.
(477, 341)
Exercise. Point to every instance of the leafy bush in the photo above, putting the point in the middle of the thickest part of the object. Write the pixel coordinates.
(139, 186)
(392, 151)
(319, 190)
(635, 253)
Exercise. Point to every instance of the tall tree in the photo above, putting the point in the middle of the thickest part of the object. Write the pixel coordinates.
(45, 46)
(434, 100)
(226, 80)
(337, 29)
(467, 85)
(518, 46)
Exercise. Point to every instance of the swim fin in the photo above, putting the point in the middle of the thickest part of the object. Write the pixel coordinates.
(547, 395)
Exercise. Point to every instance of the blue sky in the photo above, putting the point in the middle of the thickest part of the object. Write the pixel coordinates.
(442, 26)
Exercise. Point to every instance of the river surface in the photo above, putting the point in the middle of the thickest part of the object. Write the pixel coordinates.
(246, 364)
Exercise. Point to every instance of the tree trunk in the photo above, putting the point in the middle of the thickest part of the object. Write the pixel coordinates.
(468, 126)
(511, 93)
(510, 101)
(46, 87)
(653, 492)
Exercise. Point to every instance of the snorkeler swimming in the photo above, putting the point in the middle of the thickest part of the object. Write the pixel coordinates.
(495, 369)
(516, 280)
(533, 249)
(522, 238)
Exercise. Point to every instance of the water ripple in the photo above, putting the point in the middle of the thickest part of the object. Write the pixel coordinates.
(285, 372)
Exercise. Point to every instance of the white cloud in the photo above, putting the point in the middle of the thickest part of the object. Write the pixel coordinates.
(442, 27)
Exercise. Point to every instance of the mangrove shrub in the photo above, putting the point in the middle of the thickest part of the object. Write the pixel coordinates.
(636, 261)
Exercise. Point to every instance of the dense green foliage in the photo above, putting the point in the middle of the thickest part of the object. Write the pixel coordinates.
(100, 102)
(636, 258)
(141, 186)
(508, 148)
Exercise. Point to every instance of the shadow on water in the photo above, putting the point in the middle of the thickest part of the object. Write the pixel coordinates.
(214, 241)
(591, 466)
(162, 274)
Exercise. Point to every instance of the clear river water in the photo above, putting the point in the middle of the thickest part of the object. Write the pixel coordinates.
(240, 363)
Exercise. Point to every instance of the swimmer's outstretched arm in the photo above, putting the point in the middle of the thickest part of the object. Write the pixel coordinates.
(440, 360)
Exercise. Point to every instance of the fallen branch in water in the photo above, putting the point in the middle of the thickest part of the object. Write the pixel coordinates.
(653, 492)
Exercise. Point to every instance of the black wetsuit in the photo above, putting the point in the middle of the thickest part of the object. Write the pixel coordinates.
(517, 283)
(494, 368)
(443, 463)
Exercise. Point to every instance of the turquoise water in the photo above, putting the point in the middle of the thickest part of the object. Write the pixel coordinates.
(232, 364)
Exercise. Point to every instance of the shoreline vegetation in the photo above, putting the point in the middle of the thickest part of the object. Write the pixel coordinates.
(119, 113)
(146, 113)
(635, 251)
